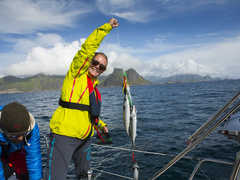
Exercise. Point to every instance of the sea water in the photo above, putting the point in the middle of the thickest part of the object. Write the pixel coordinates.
(167, 115)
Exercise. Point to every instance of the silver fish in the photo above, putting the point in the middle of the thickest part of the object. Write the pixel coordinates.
(126, 113)
(135, 171)
(133, 125)
(127, 103)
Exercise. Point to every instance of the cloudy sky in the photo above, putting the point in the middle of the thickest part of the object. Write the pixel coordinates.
(155, 37)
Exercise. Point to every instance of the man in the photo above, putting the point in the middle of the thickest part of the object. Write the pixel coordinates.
(19, 144)
(74, 120)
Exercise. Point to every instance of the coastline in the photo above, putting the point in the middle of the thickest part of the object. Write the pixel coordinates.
(10, 91)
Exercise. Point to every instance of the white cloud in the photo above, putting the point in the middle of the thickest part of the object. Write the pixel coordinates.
(136, 16)
(23, 45)
(132, 10)
(53, 60)
(172, 64)
(144, 11)
(217, 59)
(220, 59)
(182, 5)
(26, 16)
(117, 4)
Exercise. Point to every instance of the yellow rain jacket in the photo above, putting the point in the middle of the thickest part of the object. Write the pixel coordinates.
(72, 122)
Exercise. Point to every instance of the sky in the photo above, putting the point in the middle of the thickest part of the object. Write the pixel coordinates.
(155, 37)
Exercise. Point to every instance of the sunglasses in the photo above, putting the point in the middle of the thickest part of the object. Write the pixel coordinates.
(94, 62)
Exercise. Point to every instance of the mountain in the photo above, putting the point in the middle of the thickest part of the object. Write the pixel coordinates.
(116, 78)
(40, 82)
(135, 79)
(12, 84)
(182, 78)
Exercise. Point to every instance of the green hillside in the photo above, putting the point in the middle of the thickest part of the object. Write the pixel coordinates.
(40, 82)
(35, 83)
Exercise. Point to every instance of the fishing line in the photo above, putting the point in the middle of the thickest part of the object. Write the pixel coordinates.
(106, 158)
(117, 32)
(118, 37)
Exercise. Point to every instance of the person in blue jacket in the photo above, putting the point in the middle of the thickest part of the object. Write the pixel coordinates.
(20, 152)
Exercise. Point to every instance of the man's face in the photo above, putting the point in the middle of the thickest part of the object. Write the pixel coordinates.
(98, 66)
(16, 139)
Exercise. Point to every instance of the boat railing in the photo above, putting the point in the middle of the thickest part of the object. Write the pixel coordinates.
(200, 162)
(194, 172)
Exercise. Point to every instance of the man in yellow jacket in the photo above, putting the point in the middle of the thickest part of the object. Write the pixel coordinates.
(79, 108)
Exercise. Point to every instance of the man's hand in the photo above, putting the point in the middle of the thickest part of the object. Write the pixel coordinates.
(114, 23)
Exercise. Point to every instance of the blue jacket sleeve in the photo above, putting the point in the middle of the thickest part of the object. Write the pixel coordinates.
(1, 166)
(33, 155)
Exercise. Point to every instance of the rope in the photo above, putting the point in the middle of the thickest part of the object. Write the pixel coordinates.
(235, 172)
(205, 125)
(145, 152)
(126, 149)
(113, 174)
(161, 154)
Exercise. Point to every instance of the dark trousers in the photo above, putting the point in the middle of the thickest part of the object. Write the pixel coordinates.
(62, 150)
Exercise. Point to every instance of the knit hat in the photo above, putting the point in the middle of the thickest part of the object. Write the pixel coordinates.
(15, 119)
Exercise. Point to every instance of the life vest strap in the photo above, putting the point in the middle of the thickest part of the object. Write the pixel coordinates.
(70, 105)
